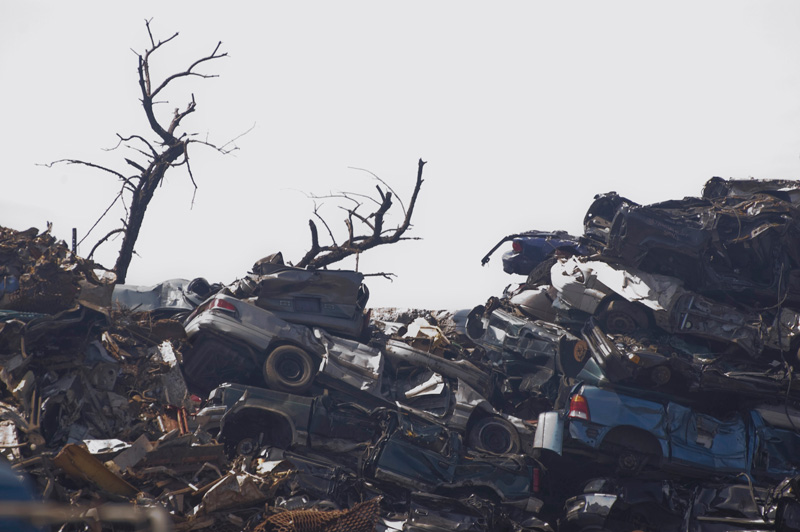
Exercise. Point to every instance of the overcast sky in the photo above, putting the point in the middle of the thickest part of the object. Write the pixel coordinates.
(523, 111)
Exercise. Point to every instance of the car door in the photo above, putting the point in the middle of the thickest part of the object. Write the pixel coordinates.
(701, 442)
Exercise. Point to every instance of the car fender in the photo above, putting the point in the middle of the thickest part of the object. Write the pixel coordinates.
(549, 432)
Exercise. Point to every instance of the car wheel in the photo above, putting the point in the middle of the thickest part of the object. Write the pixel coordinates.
(241, 442)
(247, 446)
(660, 375)
(622, 317)
(289, 368)
(540, 274)
(495, 435)
(633, 449)
(572, 358)
(630, 461)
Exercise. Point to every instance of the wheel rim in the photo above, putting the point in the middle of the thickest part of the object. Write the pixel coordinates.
(619, 322)
(246, 446)
(628, 461)
(496, 439)
(661, 375)
(579, 351)
(290, 367)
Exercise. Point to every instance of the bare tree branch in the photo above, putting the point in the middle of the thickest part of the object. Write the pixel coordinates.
(386, 275)
(85, 163)
(169, 151)
(402, 206)
(330, 233)
(98, 221)
(97, 245)
(322, 256)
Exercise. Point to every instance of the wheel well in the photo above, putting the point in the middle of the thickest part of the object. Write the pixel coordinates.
(278, 342)
(477, 415)
(277, 430)
(616, 305)
(213, 359)
(633, 438)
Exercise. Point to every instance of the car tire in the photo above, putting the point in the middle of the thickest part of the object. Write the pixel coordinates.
(240, 442)
(494, 435)
(247, 446)
(540, 274)
(289, 368)
(622, 317)
(572, 357)
(633, 450)
(660, 375)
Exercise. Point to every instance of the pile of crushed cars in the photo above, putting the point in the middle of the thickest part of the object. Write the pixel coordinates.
(640, 378)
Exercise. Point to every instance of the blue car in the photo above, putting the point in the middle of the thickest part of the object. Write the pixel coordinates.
(637, 433)
(532, 248)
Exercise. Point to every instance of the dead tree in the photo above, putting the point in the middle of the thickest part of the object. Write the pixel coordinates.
(374, 232)
(170, 148)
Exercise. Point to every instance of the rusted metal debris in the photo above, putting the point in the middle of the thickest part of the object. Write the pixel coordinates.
(281, 402)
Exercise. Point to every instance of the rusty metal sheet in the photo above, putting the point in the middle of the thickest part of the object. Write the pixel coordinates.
(184, 457)
(78, 463)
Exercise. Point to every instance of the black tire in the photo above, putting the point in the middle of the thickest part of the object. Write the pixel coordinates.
(289, 368)
(630, 462)
(572, 358)
(494, 435)
(660, 375)
(540, 274)
(241, 442)
(247, 446)
(633, 450)
(622, 317)
(247, 431)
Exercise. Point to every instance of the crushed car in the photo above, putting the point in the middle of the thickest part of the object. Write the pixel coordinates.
(237, 412)
(531, 249)
(724, 245)
(170, 298)
(640, 431)
(235, 340)
(335, 300)
(626, 299)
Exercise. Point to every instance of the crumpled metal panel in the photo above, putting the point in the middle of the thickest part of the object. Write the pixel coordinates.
(171, 295)
(356, 364)
(77, 462)
(233, 490)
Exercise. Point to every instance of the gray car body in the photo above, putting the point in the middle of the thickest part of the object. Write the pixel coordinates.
(587, 285)
(456, 409)
(171, 295)
(259, 331)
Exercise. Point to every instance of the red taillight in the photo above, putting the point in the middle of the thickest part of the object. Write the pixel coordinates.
(536, 480)
(579, 408)
(516, 245)
(221, 304)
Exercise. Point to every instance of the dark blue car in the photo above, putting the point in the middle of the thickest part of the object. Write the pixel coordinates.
(532, 248)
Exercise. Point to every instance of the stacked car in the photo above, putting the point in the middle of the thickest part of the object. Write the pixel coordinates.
(641, 376)
(657, 348)
(690, 317)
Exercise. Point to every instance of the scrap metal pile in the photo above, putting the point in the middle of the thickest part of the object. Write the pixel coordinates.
(641, 378)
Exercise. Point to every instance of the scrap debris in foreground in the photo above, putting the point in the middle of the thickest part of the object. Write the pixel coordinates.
(640, 378)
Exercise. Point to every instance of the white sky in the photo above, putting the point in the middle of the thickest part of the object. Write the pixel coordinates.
(523, 110)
